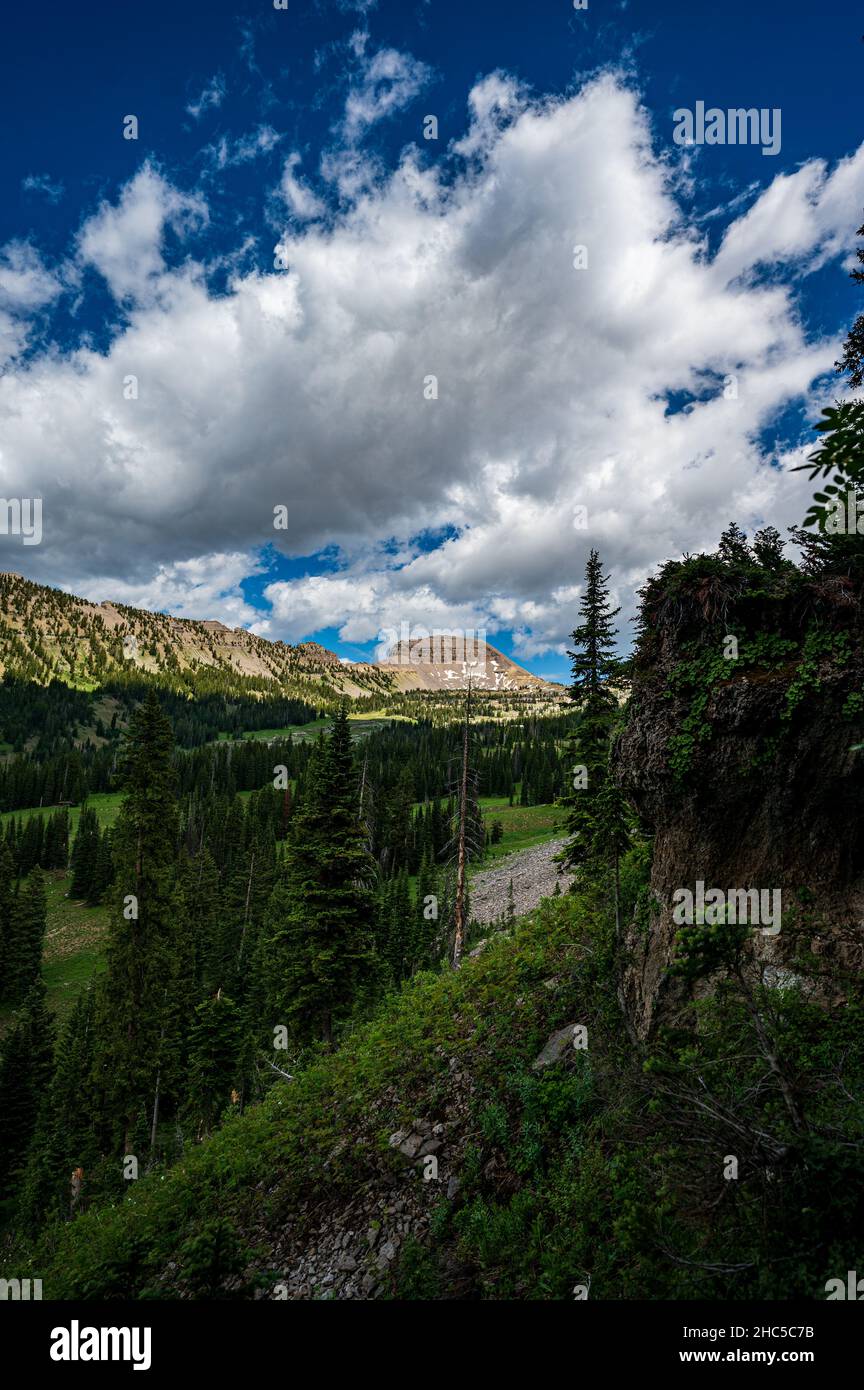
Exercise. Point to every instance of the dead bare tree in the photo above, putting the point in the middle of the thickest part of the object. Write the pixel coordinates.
(366, 807)
(246, 910)
(467, 796)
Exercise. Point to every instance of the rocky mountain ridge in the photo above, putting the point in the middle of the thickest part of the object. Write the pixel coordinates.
(49, 634)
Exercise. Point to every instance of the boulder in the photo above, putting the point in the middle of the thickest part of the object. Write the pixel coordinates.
(556, 1047)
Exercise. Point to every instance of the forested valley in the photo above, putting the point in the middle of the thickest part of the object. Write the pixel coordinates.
(219, 868)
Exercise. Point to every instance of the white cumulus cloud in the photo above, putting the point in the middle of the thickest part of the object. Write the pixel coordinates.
(453, 502)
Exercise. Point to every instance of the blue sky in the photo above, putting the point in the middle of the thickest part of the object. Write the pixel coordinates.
(281, 261)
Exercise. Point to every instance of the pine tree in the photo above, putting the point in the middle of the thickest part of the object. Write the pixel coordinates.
(611, 836)
(396, 830)
(56, 852)
(31, 845)
(594, 667)
(733, 547)
(469, 835)
(26, 934)
(201, 888)
(103, 869)
(398, 929)
(852, 360)
(85, 854)
(768, 549)
(215, 1043)
(593, 664)
(64, 1137)
(317, 940)
(7, 898)
(26, 1062)
(427, 912)
(135, 1012)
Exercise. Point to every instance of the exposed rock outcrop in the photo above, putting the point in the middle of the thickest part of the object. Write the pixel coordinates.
(557, 1047)
(746, 771)
(349, 1247)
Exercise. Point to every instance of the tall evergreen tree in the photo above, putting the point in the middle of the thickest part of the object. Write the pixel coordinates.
(397, 929)
(26, 935)
(64, 1138)
(26, 1062)
(215, 1045)
(611, 837)
(7, 898)
(147, 920)
(317, 942)
(85, 854)
(594, 668)
(56, 849)
(31, 845)
(201, 887)
(427, 915)
(733, 547)
(103, 869)
(852, 360)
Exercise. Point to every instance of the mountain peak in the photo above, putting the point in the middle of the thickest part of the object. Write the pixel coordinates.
(455, 661)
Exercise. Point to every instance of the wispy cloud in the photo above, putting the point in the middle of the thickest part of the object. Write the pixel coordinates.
(210, 98)
(206, 587)
(27, 286)
(384, 82)
(298, 197)
(244, 149)
(42, 183)
(25, 282)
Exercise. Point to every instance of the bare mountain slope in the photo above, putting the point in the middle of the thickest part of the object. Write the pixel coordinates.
(48, 634)
(45, 634)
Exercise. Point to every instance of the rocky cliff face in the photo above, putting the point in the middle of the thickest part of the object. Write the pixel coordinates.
(746, 772)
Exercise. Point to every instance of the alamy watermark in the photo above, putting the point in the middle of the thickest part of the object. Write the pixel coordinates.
(851, 1288)
(753, 907)
(20, 1290)
(77, 1343)
(737, 126)
(417, 645)
(21, 516)
(844, 515)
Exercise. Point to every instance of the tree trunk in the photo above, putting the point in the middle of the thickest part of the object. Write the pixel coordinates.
(155, 1122)
(459, 937)
(798, 1123)
(246, 909)
(362, 789)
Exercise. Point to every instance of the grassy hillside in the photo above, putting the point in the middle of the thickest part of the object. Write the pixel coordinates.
(74, 945)
(588, 1171)
(524, 826)
(74, 950)
(105, 804)
(361, 726)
